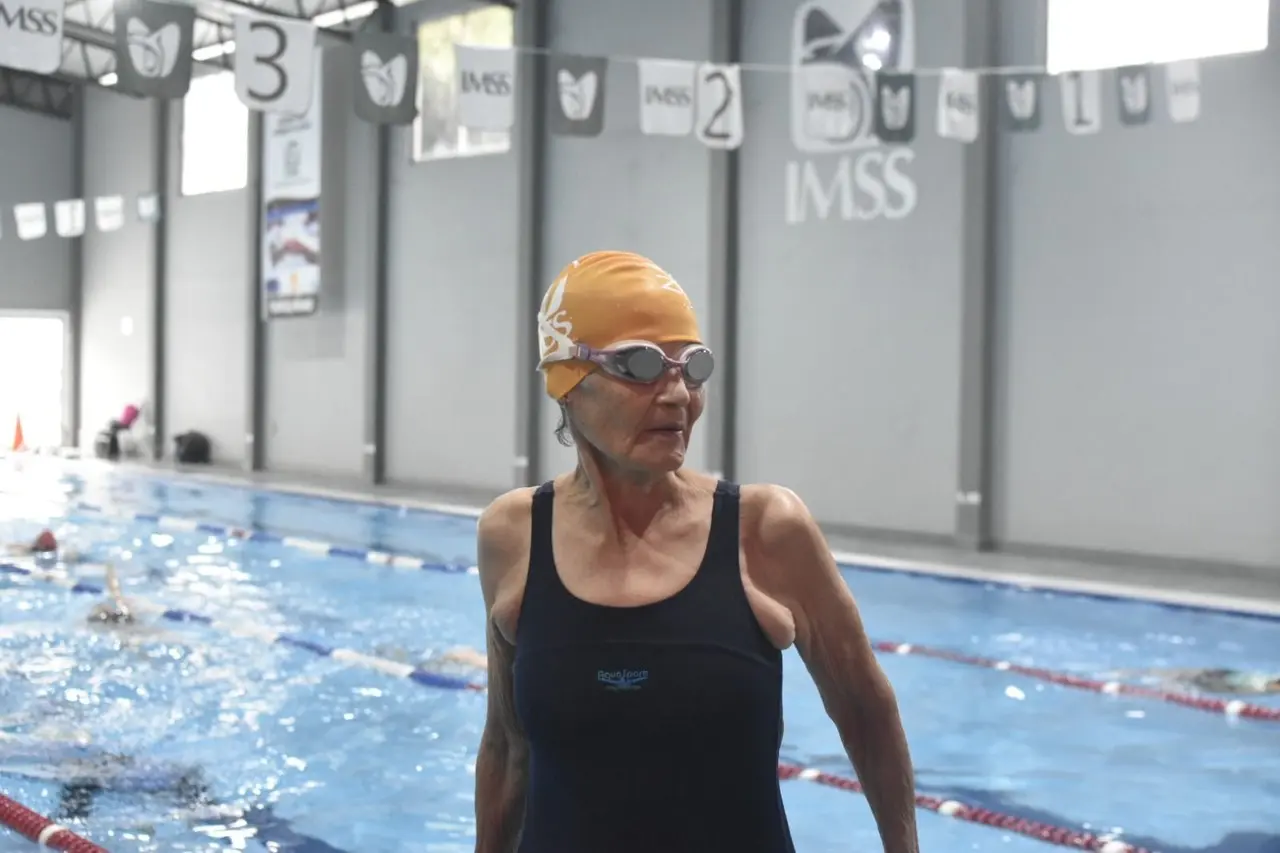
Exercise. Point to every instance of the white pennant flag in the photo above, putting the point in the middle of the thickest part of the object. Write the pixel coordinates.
(148, 207)
(1182, 85)
(719, 106)
(68, 217)
(275, 62)
(959, 107)
(666, 97)
(31, 35)
(31, 219)
(108, 211)
(486, 87)
(1082, 101)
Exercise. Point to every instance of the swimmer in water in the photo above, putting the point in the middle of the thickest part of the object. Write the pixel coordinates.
(85, 771)
(463, 656)
(45, 550)
(1230, 682)
(116, 610)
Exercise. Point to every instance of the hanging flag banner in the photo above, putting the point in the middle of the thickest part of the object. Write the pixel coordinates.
(959, 115)
(291, 161)
(275, 63)
(68, 217)
(386, 88)
(1133, 93)
(486, 87)
(1081, 101)
(718, 100)
(108, 212)
(1182, 87)
(666, 97)
(1020, 102)
(895, 100)
(148, 207)
(577, 93)
(31, 35)
(31, 219)
(153, 47)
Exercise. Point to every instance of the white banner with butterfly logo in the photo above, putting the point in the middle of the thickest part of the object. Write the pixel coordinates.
(153, 48)
(291, 169)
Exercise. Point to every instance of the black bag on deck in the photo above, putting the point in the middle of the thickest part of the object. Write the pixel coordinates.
(192, 448)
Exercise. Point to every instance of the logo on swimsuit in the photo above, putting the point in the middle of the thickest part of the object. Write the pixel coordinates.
(623, 679)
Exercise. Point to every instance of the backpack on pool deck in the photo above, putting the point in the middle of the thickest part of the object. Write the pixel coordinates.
(191, 448)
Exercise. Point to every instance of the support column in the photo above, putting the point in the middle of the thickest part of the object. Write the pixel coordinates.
(256, 381)
(75, 336)
(973, 483)
(722, 264)
(161, 182)
(529, 144)
(375, 385)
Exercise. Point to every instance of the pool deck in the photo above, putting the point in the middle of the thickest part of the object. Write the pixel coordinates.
(1246, 589)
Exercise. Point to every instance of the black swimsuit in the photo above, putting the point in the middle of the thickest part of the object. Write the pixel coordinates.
(652, 729)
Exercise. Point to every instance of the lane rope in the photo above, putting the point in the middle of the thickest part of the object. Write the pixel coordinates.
(1048, 833)
(426, 678)
(1233, 708)
(249, 630)
(311, 546)
(35, 827)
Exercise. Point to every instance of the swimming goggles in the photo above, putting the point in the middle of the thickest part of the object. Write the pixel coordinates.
(643, 362)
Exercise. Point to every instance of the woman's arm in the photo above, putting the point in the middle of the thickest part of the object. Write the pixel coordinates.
(503, 761)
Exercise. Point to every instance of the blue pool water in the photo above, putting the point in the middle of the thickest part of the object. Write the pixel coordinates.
(327, 757)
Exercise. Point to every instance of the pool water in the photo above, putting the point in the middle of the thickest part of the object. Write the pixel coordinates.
(327, 757)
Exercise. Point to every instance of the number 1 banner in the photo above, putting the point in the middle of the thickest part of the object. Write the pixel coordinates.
(275, 63)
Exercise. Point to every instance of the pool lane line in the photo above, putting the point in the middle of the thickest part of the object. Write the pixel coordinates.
(311, 546)
(1061, 836)
(1232, 708)
(422, 676)
(39, 829)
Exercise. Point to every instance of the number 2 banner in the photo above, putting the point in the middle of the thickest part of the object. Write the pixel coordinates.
(719, 106)
(275, 63)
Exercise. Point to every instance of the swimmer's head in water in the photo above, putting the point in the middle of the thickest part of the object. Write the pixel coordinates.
(111, 614)
(44, 543)
(622, 352)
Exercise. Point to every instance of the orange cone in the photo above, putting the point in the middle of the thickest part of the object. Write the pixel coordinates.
(19, 441)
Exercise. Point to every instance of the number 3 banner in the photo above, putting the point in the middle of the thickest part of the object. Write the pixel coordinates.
(275, 64)
(719, 106)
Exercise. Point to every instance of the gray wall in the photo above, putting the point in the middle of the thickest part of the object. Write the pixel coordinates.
(117, 323)
(1136, 349)
(452, 284)
(206, 309)
(36, 157)
(850, 329)
(1138, 322)
(315, 365)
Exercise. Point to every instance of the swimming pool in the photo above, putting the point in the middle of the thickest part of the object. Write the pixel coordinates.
(326, 756)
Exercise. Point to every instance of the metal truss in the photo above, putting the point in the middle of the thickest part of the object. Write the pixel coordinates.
(45, 95)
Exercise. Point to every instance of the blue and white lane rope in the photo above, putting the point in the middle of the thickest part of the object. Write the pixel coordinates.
(311, 546)
(424, 677)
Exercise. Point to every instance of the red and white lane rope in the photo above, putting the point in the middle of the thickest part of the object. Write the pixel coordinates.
(1230, 708)
(1048, 833)
(38, 828)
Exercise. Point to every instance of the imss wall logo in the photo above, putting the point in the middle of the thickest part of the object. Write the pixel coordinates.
(838, 49)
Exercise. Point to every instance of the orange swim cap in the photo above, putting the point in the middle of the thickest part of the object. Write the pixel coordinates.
(602, 299)
(45, 542)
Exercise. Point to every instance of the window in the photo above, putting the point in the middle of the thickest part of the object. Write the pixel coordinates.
(1092, 34)
(436, 133)
(215, 136)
